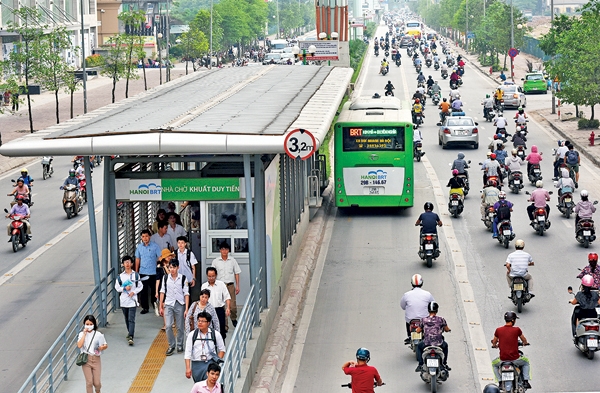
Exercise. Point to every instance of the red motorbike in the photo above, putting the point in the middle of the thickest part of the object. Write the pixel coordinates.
(18, 233)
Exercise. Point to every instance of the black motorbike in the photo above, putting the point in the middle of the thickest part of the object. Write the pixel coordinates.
(418, 150)
(429, 249)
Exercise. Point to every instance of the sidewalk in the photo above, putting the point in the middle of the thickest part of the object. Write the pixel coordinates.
(566, 126)
(15, 125)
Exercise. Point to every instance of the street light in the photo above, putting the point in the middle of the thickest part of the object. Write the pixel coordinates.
(296, 51)
(334, 35)
(322, 35)
(159, 36)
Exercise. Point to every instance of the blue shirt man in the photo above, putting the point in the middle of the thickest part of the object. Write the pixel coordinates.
(147, 254)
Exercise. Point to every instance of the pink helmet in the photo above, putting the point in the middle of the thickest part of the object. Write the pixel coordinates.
(587, 281)
(454, 172)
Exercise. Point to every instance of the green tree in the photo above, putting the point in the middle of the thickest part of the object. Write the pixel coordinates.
(202, 23)
(115, 62)
(71, 84)
(134, 19)
(193, 45)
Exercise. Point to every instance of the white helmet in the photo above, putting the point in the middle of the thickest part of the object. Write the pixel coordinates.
(514, 152)
(416, 280)
(584, 193)
(539, 184)
(518, 128)
(519, 244)
(502, 195)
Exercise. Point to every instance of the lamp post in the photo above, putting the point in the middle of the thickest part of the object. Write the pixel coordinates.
(296, 51)
(278, 29)
(322, 36)
(552, 83)
(210, 50)
(467, 26)
(158, 37)
(83, 60)
(167, 62)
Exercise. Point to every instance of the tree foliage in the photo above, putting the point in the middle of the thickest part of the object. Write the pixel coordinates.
(114, 63)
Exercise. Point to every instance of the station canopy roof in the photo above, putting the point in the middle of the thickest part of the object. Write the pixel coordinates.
(240, 110)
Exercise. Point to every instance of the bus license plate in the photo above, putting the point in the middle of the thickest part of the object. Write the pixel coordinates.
(507, 232)
(433, 362)
(374, 190)
(454, 203)
(592, 343)
(518, 287)
(429, 246)
(517, 181)
(587, 233)
(508, 376)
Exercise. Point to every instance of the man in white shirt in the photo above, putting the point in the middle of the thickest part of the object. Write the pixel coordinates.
(219, 297)
(162, 238)
(229, 271)
(174, 304)
(414, 303)
(187, 261)
(559, 158)
(203, 348)
(173, 229)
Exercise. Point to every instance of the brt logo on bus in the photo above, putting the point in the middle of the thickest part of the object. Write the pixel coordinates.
(375, 175)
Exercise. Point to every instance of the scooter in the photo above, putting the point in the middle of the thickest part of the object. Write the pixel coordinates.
(535, 173)
(398, 62)
(384, 71)
(418, 150)
(521, 152)
(489, 115)
(515, 181)
(428, 63)
(418, 68)
(585, 233)
(540, 222)
(505, 233)
(453, 85)
(455, 205)
(377, 52)
(511, 380)
(429, 248)
(565, 202)
(418, 119)
(587, 332)
(18, 235)
(72, 200)
(415, 337)
(519, 293)
(490, 213)
(433, 371)
(47, 168)
(445, 74)
(436, 99)
(436, 65)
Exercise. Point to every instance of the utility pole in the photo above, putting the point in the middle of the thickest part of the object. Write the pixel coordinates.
(512, 42)
(83, 60)
(210, 50)
(167, 62)
(467, 26)
(550, 76)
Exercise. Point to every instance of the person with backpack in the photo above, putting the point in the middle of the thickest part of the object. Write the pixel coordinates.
(573, 160)
(203, 346)
(187, 261)
(129, 285)
(174, 304)
(229, 271)
(503, 208)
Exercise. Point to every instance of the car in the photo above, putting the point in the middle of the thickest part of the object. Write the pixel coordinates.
(458, 130)
(287, 56)
(513, 95)
(405, 41)
(535, 82)
(272, 58)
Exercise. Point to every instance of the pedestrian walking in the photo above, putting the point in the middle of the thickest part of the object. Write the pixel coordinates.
(187, 261)
(174, 304)
(147, 254)
(203, 347)
(15, 101)
(229, 271)
(197, 307)
(93, 343)
(211, 384)
(162, 270)
(162, 238)
(129, 285)
(219, 297)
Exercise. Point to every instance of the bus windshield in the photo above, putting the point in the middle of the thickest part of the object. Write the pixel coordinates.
(413, 24)
(373, 138)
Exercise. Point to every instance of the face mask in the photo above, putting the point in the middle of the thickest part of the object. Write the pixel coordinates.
(89, 327)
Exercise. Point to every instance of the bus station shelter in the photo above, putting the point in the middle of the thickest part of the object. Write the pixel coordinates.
(213, 139)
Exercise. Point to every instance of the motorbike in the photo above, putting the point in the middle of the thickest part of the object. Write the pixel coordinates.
(511, 380)
(428, 63)
(418, 150)
(519, 293)
(489, 115)
(387, 53)
(499, 106)
(389, 93)
(398, 63)
(565, 202)
(453, 85)
(47, 168)
(409, 51)
(586, 333)
(384, 71)
(433, 371)
(418, 68)
(490, 214)
(535, 173)
(429, 249)
(540, 219)
(515, 181)
(18, 235)
(436, 65)
(72, 200)
(415, 337)
(521, 152)
(444, 74)
(436, 99)
(455, 205)
(585, 233)
(505, 233)
(450, 62)
(376, 51)
(418, 119)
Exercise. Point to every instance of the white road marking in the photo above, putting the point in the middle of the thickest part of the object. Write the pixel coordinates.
(567, 223)
(37, 253)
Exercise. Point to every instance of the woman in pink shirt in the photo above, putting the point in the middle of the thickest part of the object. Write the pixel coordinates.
(533, 158)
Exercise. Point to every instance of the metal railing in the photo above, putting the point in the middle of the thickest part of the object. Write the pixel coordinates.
(236, 350)
(56, 363)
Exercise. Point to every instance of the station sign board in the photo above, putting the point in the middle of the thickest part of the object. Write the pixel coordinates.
(325, 49)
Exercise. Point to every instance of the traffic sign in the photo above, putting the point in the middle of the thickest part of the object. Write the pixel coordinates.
(300, 143)
(470, 35)
(513, 52)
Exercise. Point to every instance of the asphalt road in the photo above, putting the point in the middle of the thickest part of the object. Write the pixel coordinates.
(39, 300)
(373, 253)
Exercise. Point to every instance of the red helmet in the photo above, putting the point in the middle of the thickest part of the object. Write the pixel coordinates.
(21, 197)
(493, 156)
(495, 136)
(417, 101)
(593, 257)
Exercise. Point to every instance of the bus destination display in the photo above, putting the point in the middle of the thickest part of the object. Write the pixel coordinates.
(373, 138)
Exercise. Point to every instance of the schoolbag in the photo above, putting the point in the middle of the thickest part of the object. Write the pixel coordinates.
(212, 338)
(572, 157)
(164, 284)
(187, 261)
(503, 211)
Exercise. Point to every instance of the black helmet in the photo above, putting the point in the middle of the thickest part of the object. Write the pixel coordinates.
(376, 95)
(390, 82)
(428, 206)
(491, 388)
(363, 354)
(433, 307)
(510, 316)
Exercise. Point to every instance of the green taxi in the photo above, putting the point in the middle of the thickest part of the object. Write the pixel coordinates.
(534, 82)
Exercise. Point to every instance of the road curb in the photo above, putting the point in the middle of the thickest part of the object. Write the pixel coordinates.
(281, 336)
(16, 162)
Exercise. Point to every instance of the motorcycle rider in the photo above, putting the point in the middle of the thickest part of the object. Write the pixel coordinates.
(489, 196)
(420, 78)
(389, 88)
(520, 117)
(26, 178)
(429, 82)
(533, 158)
(417, 109)
(517, 264)
(433, 328)
(488, 105)
(398, 56)
(518, 139)
(363, 375)
(507, 339)
(384, 64)
(498, 96)
(414, 303)
(565, 183)
(492, 168)
(539, 196)
(460, 164)
(454, 78)
(429, 220)
(592, 269)
(457, 105)
(436, 89)
(456, 184)
(588, 300)
(501, 154)
(483, 164)
(444, 68)
(503, 208)
(584, 208)
(22, 210)
(71, 179)
(513, 163)
(559, 157)
(21, 189)
(445, 108)
(500, 123)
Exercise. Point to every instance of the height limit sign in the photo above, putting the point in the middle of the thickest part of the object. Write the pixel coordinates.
(300, 143)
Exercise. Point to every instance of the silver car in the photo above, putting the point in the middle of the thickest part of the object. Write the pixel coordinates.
(458, 130)
(272, 58)
(513, 95)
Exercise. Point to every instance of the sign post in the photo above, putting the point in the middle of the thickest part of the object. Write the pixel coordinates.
(300, 143)
(326, 49)
(512, 52)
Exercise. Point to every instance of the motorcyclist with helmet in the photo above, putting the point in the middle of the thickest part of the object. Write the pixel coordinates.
(502, 202)
(417, 108)
(454, 77)
(364, 377)
(20, 189)
(27, 179)
(456, 184)
(539, 196)
(518, 139)
(22, 210)
(517, 264)
(436, 89)
(429, 82)
(71, 179)
(566, 184)
(429, 220)
(592, 269)
(415, 303)
(433, 327)
(421, 78)
(489, 196)
(389, 88)
(587, 299)
(507, 339)
(584, 208)
(513, 163)
(488, 105)
(384, 65)
(492, 168)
